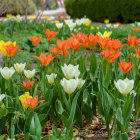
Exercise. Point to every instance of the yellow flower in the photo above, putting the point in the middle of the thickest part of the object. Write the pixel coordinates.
(88, 23)
(2, 106)
(8, 15)
(23, 97)
(98, 28)
(105, 34)
(2, 44)
(92, 28)
(33, 18)
(56, 21)
(106, 21)
(48, 19)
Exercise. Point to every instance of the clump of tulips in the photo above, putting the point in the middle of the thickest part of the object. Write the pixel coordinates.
(67, 83)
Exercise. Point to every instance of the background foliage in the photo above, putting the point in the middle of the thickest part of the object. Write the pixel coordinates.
(99, 10)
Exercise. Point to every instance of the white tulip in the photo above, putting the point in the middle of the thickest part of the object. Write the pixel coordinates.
(19, 67)
(124, 86)
(70, 71)
(69, 21)
(2, 96)
(69, 85)
(108, 25)
(29, 74)
(84, 20)
(71, 25)
(51, 78)
(115, 25)
(7, 72)
(79, 22)
(81, 83)
(59, 25)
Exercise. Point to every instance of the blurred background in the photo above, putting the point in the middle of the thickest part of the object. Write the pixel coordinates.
(97, 10)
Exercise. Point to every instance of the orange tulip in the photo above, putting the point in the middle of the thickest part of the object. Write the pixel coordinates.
(11, 49)
(35, 41)
(32, 101)
(133, 41)
(124, 66)
(103, 42)
(63, 12)
(28, 84)
(64, 54)
(118, 23)
(135, 29)
(93, 39)
(74, 43)
(63, 45)
(54, 51)
(115, 44)
(50, 35)
(45, 60)
(138, 51)
(110, 56)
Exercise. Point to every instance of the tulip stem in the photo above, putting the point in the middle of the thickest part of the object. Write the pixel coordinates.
(69, 100)
(138, 65)
(44, 80)
(10, 62)
(73, 56)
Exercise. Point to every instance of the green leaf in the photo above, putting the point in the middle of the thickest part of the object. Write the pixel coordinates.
(38, 129)
(2, 112)
(59, 107)
(32, 129)
(72, 113)
(93, 63)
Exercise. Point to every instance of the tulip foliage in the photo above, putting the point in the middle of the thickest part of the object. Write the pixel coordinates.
(79, 77)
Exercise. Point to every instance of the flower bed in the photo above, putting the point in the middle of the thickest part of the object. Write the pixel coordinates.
(68, 72)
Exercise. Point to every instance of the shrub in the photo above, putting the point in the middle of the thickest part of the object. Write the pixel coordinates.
(99, 10)
(15, 7)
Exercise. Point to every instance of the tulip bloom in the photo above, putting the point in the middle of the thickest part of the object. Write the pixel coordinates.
(50, 35)
(69, 85)
(23, 97)
(105, 34)
(51, 78)
(81, 83)
(45, 60)
(19, 67)
(54, 51)
(74, 43)
(59, 25)
(135, 29)
(138, 51)
(70, 71)
(93, 39)
(32, 101)
(124, 86)
(35, 41)
(11, 49)
(29, 74)
(28, 84)
(133, 41)
(2, 48)
(7, 72)
(124, 66)
(110, 56)
(103, 42)
(114, 44)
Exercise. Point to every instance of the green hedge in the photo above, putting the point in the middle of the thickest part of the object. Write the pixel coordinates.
(99, 10)
(14, 7)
